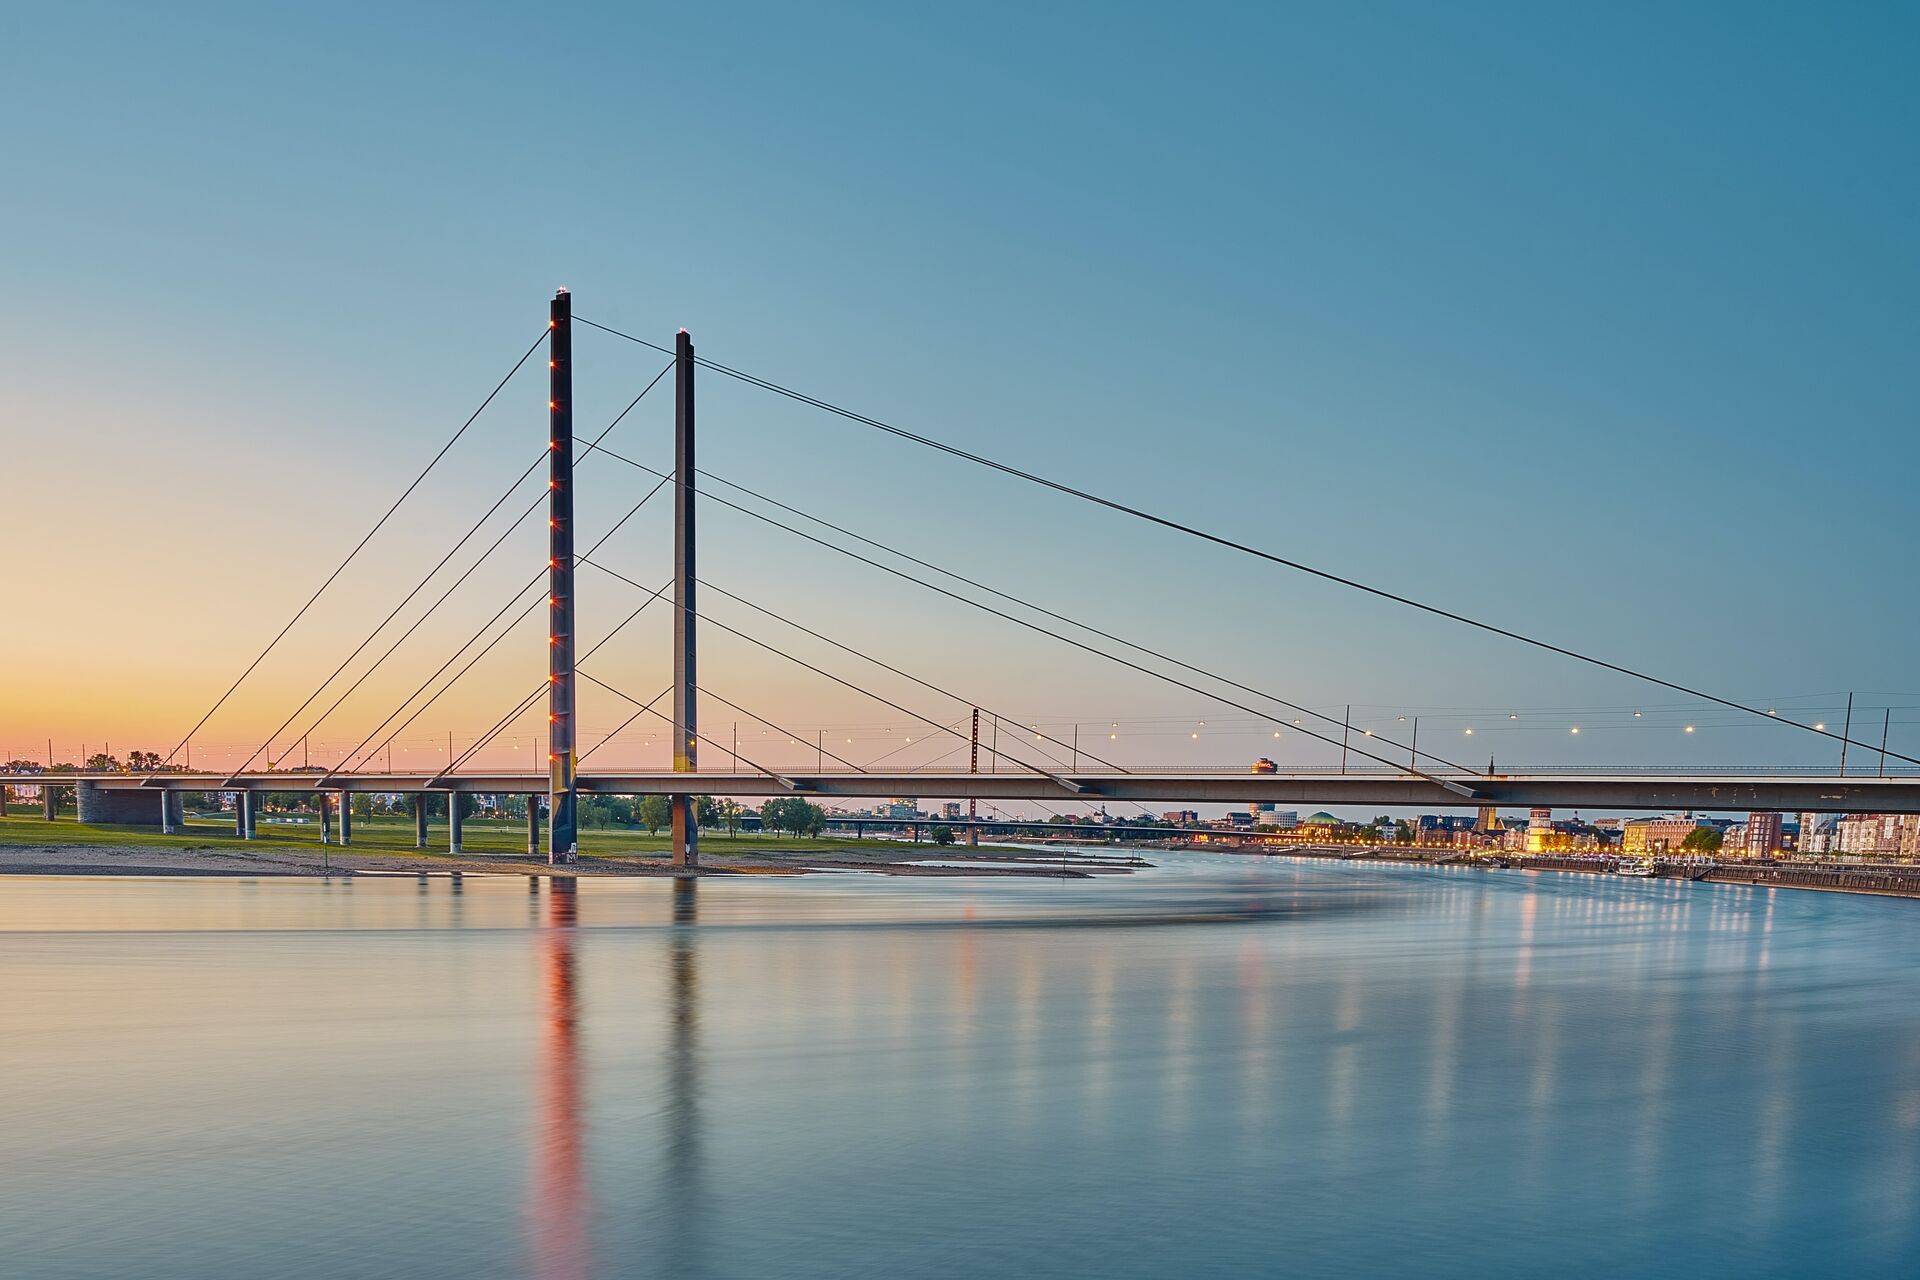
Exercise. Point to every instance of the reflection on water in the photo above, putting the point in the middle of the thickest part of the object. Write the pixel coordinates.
(681, 1193)
(1221, 1066)
(558, 1208)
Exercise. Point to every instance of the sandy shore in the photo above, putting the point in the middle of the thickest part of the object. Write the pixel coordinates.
(280, 860)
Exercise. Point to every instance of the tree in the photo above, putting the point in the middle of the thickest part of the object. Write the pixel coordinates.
(1703, 840)
(705, 812)
(794, 816)
(730, 812)
(101, 762)
(783, 813)
(943, 835)
(655, 813)
(1403, 834)
(593, 811)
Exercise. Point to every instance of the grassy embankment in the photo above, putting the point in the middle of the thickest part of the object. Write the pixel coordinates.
(394, 834)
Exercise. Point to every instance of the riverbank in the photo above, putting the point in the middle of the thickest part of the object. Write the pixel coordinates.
(33, 846)
(1880, 880)
(144, 860)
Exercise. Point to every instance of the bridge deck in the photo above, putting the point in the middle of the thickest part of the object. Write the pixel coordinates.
(1787, 792)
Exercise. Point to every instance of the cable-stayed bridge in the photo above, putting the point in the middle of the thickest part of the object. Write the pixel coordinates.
(1376, 768)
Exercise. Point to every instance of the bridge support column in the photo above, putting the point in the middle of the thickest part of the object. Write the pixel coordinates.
(49, 802)
(419, 820)
(533, 826)
(326, 818)
(99, 806)
(455, 802)
(6, 793)
(346, 819)
(243, 814)
(686, 737)
(563, 832)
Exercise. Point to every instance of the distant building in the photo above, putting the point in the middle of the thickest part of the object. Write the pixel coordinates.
(1180, 817)
(1877, 835)
(1285, 819)
(952, 809)
(1656, 835)
(1539, 829)
(1764, 835)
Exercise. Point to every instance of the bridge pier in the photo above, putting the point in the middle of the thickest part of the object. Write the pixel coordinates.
(5, 794)
(96, 805)
(419, 820)
(346, 819)
(326, 818)
(455, 802)
(533, 826)
(49, 802)
(243, 814)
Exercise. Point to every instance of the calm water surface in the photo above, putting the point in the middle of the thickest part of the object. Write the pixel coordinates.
(1222, 1067)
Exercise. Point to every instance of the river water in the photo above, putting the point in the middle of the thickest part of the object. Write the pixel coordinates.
(1224, 1066)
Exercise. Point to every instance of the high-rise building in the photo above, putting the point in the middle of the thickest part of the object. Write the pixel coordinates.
(1258, 807)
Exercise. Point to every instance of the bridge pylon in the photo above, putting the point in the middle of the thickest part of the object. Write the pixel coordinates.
(686, 737)
(563, 834)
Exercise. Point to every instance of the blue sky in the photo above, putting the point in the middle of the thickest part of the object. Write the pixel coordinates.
(1595, 322)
